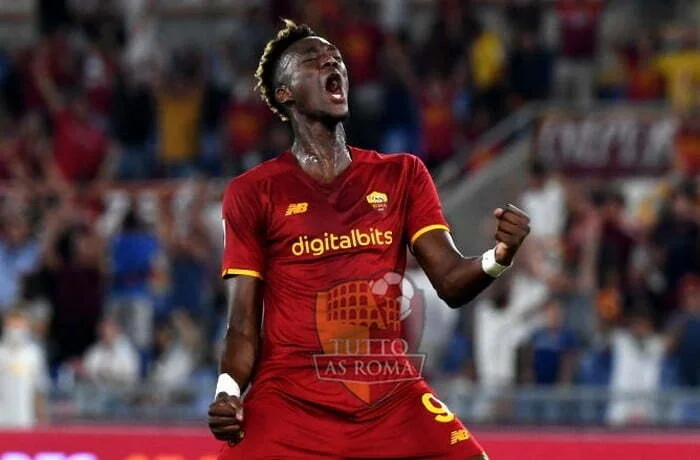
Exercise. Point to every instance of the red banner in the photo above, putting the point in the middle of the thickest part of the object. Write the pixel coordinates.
(133, 443)
(612, 144)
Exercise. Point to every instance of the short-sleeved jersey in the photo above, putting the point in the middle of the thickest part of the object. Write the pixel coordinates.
(319, 249)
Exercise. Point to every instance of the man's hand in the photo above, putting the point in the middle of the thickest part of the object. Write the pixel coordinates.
(226, 418)
(513, 227)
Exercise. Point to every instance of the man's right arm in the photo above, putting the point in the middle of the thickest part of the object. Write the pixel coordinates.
(240, 352)
(238, 358)
(242, 267)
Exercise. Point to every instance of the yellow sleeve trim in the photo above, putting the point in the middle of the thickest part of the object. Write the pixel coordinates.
(427, 229)
(236, 271)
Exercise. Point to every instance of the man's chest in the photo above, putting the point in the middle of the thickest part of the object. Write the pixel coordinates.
(364, 212)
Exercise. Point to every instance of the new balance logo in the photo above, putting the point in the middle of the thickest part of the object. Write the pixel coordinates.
(296, 208)
(459, 435)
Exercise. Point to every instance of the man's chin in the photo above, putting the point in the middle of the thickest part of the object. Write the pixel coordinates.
(337, 116)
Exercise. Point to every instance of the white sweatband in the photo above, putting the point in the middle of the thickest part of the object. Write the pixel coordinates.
(490, 266)
(227, 385)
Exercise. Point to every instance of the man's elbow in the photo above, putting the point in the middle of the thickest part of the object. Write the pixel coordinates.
(450, 294)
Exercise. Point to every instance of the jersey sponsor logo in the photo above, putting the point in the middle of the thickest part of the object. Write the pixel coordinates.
(459, 436)
(378, 200)
(297, 208)
(331, 242)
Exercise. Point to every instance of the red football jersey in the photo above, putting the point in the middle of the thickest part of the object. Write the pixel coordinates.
(327, 337)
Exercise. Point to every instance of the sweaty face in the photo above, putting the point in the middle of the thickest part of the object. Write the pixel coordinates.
(315, 74)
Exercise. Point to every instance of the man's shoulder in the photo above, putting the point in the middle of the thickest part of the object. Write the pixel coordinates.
(259, 174)
(375, 157)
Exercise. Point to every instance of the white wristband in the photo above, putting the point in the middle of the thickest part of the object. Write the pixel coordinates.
(227, 385)
(490, 266)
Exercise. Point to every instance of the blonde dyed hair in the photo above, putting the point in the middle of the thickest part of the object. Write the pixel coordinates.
(265, 73)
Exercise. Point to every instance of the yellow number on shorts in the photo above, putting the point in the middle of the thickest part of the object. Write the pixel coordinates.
(437, 407)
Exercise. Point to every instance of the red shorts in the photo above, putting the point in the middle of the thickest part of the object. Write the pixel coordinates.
(412, 425)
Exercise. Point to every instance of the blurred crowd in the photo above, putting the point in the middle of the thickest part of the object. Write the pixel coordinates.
(606, 296)
(115, 145)
(107, 92)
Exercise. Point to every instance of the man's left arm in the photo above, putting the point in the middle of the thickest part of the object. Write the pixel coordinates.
(459, 279)
(456, 278)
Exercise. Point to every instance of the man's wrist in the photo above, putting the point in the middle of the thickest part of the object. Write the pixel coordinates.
(226, 384)
(490, 266)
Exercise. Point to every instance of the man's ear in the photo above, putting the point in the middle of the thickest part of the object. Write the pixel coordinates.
(283, 95)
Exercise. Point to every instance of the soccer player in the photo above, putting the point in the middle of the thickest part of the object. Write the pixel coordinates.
(305, 235)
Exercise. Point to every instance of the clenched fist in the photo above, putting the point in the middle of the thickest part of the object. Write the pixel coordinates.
(226, 418)
(513, 227)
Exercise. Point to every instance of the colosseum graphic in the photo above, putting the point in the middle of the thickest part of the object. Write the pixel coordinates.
(369, 332)
(354, 304)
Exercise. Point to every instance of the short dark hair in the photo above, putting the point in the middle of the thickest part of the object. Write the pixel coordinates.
(265, 73)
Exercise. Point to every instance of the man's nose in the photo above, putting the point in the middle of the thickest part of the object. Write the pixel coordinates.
(329, 61)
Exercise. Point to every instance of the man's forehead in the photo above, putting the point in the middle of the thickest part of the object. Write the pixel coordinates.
(310, 44)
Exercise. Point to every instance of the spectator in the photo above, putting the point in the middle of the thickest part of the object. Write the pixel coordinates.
(23, 376)
(19, 256)
(176, 357)
(401, 118)
(142, 53)
(526, 15)
(11, 85)
(530, 70)
(579, 22)
(179, 113)
(189, 252)
(685, 332)
(246, 119)
(637, 355)
(544, 202)
(552, 349)
(361, 41)
(438, 124)
(643, 79)
(213, 109)
(675, 239)
(616, 242)
(73, 278)
(132, 125)
(579, 259)
(437, 93)
(445, 45)
(687, 147)
(501, 323)
(549, 359)
(81, 149)
(133, 253)
(487, 57)
(98, 74)
(679, 65)
(112, 362)
(30, 154)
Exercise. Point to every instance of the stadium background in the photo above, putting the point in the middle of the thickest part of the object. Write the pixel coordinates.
(121, 122)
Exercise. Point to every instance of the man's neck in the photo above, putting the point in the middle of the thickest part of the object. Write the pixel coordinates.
(320, 149)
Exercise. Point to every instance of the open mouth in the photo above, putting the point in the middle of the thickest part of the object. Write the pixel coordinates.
(334, 87)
